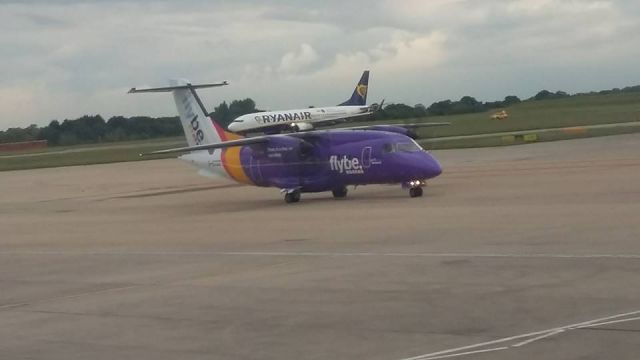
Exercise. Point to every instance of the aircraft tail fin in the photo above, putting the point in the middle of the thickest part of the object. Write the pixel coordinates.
(199, 128)
(359, 96)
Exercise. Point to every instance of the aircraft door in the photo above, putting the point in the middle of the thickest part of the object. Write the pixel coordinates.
(308, 159)
(366, 157)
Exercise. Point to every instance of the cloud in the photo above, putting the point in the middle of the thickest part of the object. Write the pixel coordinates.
(64, 58)
(294, 62)
(404, 53)
(554, 7)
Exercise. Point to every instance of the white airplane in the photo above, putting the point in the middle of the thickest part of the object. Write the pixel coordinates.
(305, 119)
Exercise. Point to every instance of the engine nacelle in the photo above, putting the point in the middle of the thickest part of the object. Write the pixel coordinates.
(301, 126)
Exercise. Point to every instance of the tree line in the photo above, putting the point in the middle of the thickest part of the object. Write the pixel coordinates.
(95, 129)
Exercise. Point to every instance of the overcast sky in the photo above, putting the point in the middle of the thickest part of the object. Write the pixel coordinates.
(64, 58)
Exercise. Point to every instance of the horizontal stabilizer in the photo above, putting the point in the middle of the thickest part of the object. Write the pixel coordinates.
(222, 145)
(177, 87)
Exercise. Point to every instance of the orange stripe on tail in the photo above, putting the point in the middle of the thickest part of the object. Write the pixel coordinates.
(233, 166)
(230, 157)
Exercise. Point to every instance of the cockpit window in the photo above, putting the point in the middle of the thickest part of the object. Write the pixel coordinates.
(408, 147)
(388, 148)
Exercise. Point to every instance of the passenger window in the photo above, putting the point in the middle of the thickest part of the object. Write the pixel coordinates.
(387, 148)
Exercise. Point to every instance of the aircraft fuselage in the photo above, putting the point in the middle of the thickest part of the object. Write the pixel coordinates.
(321, 161)
(258, 121)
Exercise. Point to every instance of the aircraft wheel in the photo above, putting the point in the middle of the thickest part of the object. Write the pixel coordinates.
(415, 192)
(292, 197)
(339, 192)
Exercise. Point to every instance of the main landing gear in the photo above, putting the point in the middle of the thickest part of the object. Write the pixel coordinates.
(339, 193)
(292, 197)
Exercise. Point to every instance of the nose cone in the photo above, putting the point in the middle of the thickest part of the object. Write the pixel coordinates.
(234, 126)
(416, 165)
(432, 167)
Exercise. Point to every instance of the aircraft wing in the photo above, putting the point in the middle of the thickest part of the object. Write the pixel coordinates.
(340, 118)
(222, 145)
(406, 126)
(405, 129)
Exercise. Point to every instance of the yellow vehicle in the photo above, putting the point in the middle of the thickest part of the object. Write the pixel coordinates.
(500, 115)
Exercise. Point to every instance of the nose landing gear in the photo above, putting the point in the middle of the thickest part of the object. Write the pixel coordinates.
(415, 192)
(415, 187)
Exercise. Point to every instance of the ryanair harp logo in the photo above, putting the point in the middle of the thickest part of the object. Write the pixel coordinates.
(362, 90)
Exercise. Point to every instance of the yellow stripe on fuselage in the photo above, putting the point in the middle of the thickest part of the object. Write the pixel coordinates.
(233, 166)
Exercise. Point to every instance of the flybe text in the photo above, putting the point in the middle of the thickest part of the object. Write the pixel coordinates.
(276, 118)
(198, 134)
(344, 165)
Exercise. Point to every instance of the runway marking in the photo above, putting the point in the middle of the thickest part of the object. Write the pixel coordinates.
(469, 353)
(526, 342)
(9, 306)
(609, 323)
(67, 297)
(325, 254)
(143, 194)
(535, 336)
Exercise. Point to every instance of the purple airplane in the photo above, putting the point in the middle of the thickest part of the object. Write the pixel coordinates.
(298, 162)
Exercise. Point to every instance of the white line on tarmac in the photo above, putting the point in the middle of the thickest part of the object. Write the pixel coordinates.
(539, 335)
(609, 322)
(549, 334)
(325, 254)
(470, 353)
